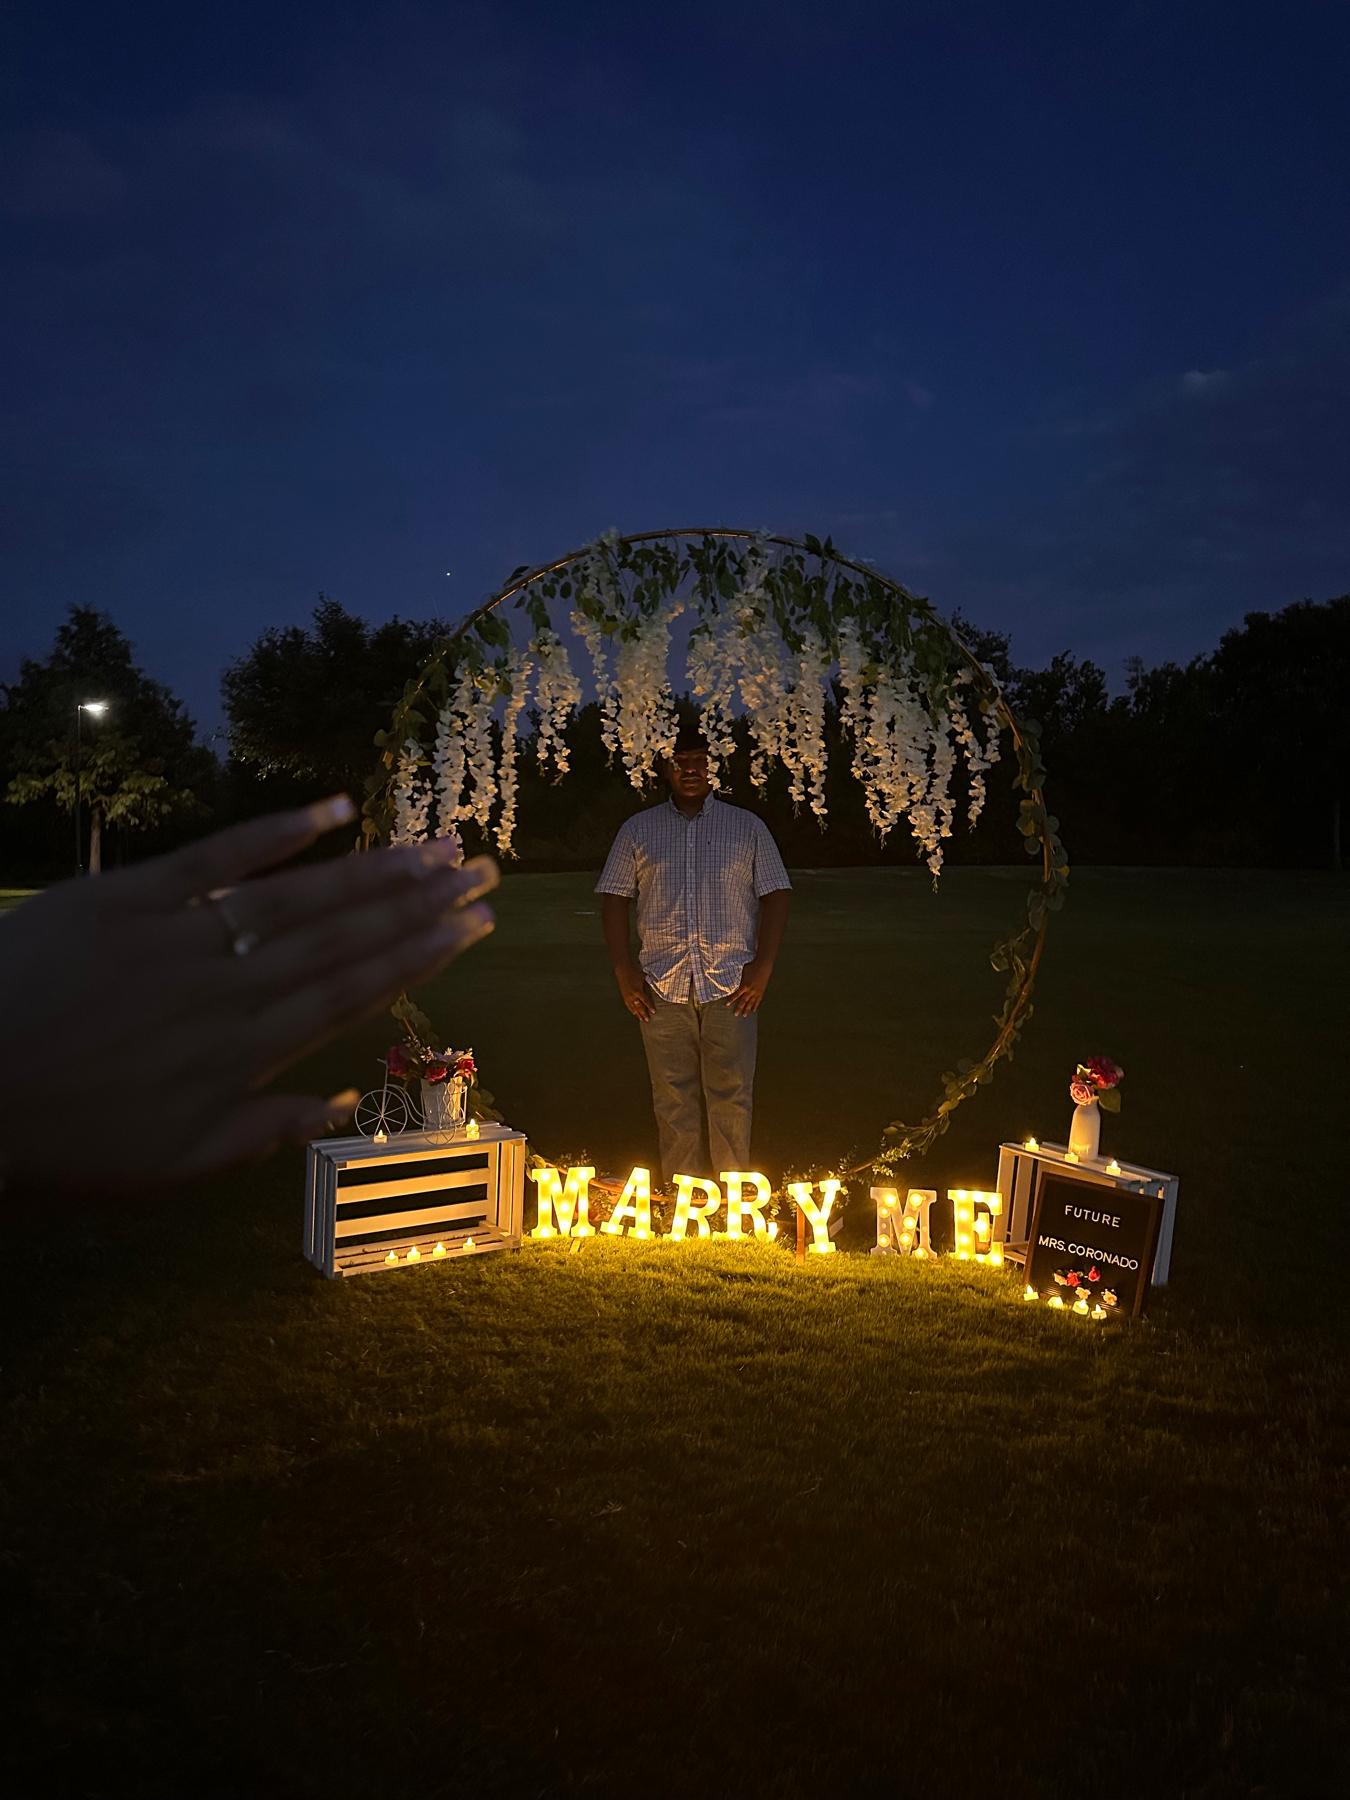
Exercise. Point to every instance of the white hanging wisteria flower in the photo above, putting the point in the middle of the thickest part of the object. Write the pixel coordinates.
(712, 669)
(475, 698)
(647, 721)
(937, 807)
(594, 637)
(519, 667)
(448, 765)
(979, 757)
(412, 797)
(557, 693)
(805, 714)
(769, 633)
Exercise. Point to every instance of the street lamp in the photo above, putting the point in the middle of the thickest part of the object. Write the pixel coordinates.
(96, 708)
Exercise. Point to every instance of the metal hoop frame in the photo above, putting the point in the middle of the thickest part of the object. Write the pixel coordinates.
(1035, 821)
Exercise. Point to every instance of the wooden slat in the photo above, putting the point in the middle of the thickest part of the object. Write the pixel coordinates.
(422, 1215)
(372, 1257)
(411, 1184)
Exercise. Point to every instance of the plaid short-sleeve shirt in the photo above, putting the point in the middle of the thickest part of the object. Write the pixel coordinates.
(698, 883)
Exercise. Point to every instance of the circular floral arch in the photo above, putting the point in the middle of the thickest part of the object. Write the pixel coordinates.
(779, 625)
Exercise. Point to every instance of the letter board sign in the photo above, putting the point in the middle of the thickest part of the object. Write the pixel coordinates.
(1091, 1240)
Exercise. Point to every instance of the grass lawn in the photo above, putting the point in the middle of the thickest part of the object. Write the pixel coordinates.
(642, 1520)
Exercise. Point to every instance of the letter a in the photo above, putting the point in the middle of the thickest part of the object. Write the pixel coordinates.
(635, 1203)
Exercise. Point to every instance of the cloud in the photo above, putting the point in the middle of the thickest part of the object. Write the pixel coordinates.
(1163, 520)
(1204, 381)
(57, 175)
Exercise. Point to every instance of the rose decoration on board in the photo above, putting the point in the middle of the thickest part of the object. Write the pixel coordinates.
(1098, 1079)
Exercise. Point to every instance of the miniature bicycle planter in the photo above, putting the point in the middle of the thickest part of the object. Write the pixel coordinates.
(391, 1110)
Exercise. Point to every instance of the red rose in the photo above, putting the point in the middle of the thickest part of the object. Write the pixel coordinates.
(436, 1070)
(1104, 1072)
(466, 1066)
(400, 1064)
(1093, 1275)
(1072, 1278)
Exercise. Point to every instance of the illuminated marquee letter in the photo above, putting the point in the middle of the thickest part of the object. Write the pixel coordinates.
(735, 1181)
(897, 1228)
(635, 1203)
(976, 1234)
(572, 1203)
(817, 1216)
(685, 1210)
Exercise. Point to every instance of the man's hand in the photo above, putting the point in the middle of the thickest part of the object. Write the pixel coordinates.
(754, 980)
(633, 988)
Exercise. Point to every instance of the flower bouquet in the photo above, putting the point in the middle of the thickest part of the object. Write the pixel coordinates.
(447, 1079)
(1095, 1089)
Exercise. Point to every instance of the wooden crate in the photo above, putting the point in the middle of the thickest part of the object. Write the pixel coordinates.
(420, 1197)
(1017, 1168)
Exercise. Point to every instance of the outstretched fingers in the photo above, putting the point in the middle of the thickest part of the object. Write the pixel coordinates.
(346, 936)
(280, 1033)
(297, 899)
(228, 857)
(262, 1124)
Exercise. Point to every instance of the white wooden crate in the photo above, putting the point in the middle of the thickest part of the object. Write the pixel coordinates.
(369, 1205)
(1017, 1168)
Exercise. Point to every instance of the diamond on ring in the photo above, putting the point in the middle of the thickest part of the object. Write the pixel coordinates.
(241, 941)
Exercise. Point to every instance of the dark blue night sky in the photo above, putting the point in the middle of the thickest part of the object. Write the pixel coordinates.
(1045, 308)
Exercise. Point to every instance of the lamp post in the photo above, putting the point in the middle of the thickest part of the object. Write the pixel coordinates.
(97, 708)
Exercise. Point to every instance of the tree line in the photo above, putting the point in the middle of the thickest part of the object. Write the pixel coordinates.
(1238, 757)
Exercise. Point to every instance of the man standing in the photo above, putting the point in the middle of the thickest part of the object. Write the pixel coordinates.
(712, 904)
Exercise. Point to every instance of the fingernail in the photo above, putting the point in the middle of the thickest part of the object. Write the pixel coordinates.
(337, 809)
(456, 887)
(484, 870)
(437, 854)
(464, 925)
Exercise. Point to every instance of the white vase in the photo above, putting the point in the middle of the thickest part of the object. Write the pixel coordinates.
(1085, 1132)
(444, 1104)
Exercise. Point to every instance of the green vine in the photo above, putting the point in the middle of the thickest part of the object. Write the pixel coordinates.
(619, 580)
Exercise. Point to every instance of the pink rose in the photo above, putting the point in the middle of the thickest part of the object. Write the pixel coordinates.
(466, 1066)
(1081, 1092)
(436, 1070)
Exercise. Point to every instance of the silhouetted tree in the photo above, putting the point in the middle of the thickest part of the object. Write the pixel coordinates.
(92, 659)
(304, 703)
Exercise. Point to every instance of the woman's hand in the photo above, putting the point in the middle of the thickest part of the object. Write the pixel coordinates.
(141, 1017)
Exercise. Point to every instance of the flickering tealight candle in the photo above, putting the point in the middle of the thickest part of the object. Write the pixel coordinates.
(1031, 1144)
(1113, 1167)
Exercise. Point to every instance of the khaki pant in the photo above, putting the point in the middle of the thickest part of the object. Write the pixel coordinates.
(700, 1055)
